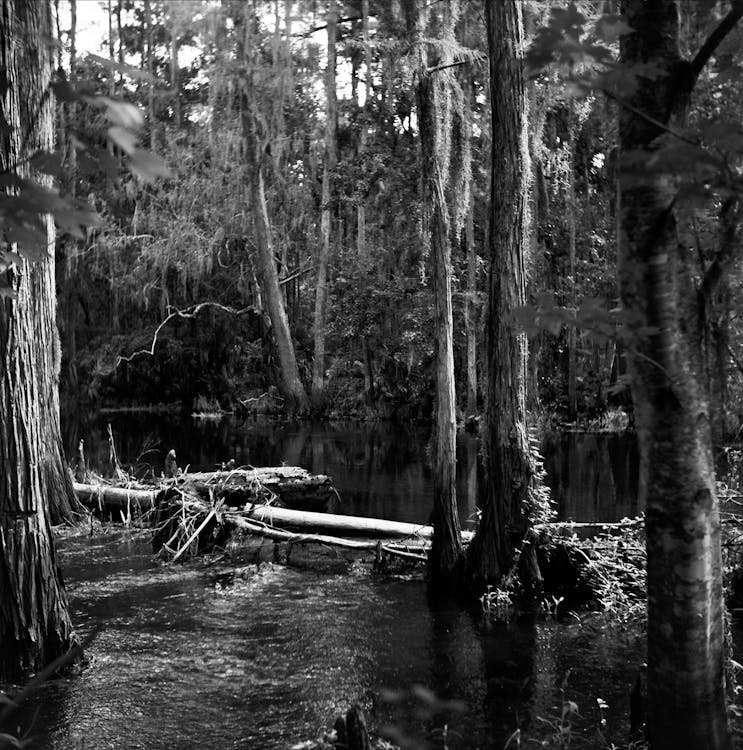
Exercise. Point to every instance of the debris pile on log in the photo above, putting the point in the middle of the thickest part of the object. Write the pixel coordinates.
(196, 512)
(289, 486)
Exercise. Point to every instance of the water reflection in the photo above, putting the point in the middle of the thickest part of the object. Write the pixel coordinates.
(380, 470)
(593, 476)
(196, 656)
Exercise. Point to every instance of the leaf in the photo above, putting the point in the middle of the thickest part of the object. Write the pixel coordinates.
(117, 67)
(32, 243)
(121, 113)
(9, 739)
(148, 166)
(124, 138)
(612, 27)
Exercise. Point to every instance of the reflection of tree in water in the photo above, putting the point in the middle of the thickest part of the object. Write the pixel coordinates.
(592, 476)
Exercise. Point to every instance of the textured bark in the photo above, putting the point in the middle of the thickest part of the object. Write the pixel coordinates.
(506, 452)
(446, 552)
(331, 157)
(35, 627)
(686, 678)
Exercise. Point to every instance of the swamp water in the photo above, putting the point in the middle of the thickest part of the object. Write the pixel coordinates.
(233, 656)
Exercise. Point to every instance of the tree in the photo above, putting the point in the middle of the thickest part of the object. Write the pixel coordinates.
(662, 304)
(331, 157)
(506, 450)
(35, 627)
(433, 97)
(291, 384)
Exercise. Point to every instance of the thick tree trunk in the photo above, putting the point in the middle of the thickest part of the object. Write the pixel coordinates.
(686, 676)
(35, 626)
(507, 463)
(446, 553)
(321, 292)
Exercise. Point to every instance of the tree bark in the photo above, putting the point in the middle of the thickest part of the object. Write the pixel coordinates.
(446, 553)
(470, 314)
(686, 676)
(331, 157)
(507, 463)
(35, 627)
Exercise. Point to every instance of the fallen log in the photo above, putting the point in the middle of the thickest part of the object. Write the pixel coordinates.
(103, 496)
(292, 486)
(354, 525)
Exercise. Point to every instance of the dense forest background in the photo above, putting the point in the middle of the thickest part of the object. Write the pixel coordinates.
(339, 157)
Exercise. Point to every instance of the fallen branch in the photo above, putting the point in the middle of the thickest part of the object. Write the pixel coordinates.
(358, 525)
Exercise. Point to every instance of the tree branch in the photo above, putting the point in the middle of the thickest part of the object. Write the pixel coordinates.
(312, 31)
(189, 312)
(444, 66)
(716, 37)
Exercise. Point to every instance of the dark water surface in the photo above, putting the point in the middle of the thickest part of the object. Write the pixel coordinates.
(379, 469)
(201, 656)
(218, 656)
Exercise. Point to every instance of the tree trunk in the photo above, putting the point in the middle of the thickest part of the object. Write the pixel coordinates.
(35, 627)
(507, 463)
(470, 313)
(446, 552)
(321, 292)
(291, 384)
(147, 50)
(361, 210)
(174, 28)
(686, 676)
(572, 281)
